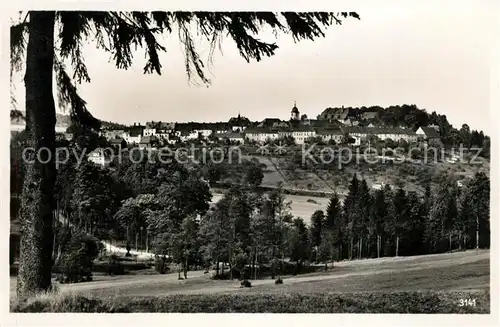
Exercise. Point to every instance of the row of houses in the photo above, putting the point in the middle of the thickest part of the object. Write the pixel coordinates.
(171, 133)
(263, 133)
(302, 133)
(334, 124)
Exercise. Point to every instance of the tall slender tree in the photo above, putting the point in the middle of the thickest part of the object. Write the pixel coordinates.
(334, 225)
(400, 216)
(451, 214)
(317, 224)
(299, 243)
(378, 216)
(364, 202)
(480, 193)
(416, 225)
(352, 213)
(466, 220)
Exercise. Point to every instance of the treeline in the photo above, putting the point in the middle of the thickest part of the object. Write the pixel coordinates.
(393, 222)
(165, 208)
(248, 229)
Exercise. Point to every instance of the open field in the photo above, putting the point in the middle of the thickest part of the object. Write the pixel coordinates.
(460, 271)
(443, 278)
(272, 177)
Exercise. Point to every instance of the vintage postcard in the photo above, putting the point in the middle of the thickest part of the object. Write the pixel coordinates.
(266, 161)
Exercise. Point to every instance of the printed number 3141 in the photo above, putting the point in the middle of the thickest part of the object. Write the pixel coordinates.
(467, 302)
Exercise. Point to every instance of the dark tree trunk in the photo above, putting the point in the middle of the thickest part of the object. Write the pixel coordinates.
(273, 264)
(397, 245)
(378, 246)
(252, 271)
(185, 268)
(36, 217)
(360, 247)
(352, 248)
(257, 264)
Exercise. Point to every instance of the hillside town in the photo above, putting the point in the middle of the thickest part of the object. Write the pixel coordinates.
(330, 126)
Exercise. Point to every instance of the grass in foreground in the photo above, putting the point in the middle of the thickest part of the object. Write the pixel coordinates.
(378, 302)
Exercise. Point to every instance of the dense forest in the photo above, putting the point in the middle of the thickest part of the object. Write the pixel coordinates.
(165, 208)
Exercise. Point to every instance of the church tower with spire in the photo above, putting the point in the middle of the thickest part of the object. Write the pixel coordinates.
(295, 114)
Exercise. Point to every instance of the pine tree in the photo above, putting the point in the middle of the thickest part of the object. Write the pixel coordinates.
(378, 217)
(364, 203)
(388, 244)
(334, 227)
(400, 217)
(299, 244)
(436, 235)
(352, 213)
(451, 214)
(416, 225)
(317, 224)
(480, 196)
(466, 220)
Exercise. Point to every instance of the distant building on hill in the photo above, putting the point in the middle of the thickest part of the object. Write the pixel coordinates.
(99, 157)
(295, 113)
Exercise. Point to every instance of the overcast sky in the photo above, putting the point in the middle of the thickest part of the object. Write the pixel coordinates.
(436, 58)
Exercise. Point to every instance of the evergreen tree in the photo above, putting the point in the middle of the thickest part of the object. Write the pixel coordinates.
(389, 225)
(435, 235)
(451, 214)
(352, 213)
(480, 196)
(414, 244)
(299, 246)
(364, 203)
(378, 217)
(400, 217)
(466, 221)
(317, 223)
(333, 232)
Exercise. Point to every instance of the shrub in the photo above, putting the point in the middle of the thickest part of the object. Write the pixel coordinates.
(75, 265)
(246, 283)
(128, 250)
(115, 266)
(239, 268)
(220, 276)
(227, 275)
(160, 265)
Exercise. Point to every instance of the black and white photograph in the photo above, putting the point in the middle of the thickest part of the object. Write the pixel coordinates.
(264, 161)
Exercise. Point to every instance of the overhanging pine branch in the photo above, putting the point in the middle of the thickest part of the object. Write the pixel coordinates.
(69, 97)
